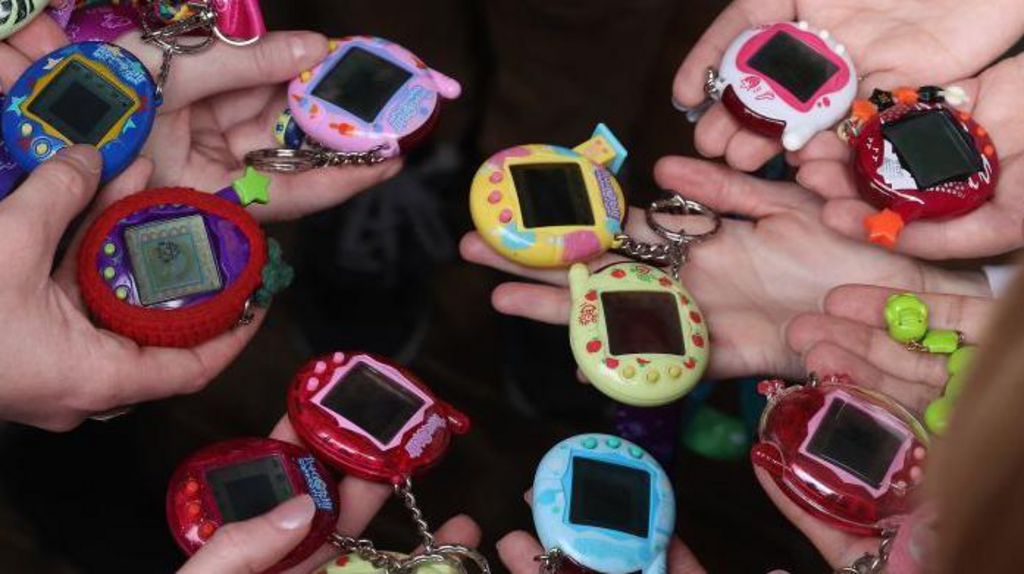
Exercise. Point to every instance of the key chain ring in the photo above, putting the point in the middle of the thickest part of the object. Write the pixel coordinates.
(286, 160)
(167, 38)
(679, 205)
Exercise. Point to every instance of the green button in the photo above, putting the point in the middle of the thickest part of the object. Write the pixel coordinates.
(960, 360)
(906, 317)
(942, 342)
(589, 442)
(109, 249)
(613, 442)
(635, 452)
(108, 273)
(936, 416)
(121, 293)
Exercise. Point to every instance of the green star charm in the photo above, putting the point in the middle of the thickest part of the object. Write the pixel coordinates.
(252, 187)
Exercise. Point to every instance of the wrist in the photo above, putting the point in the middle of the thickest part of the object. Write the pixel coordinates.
(970, 283)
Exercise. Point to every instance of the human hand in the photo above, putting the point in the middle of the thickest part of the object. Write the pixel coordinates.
(993, 228)
(892, 43)
(56, 367)
(753, 278)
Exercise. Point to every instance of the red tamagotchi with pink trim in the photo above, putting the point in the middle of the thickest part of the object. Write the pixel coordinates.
(923, 160)
(240, 479)
(785, 80)
(846, 454)
(371, 418)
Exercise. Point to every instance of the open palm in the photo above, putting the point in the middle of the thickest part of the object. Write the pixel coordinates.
(892, 43)
(753, 278)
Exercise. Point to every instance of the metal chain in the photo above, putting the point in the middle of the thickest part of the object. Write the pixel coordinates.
(283, 160)
(711, 88)
(549, 562)
(165, 72)
(168, 38)
(871, 563)
(673, 255)
(367, 551)
(404, 490)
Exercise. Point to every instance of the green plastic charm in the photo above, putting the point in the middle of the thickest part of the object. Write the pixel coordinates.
(941, 342)
(936, 416)
(907, 317)
(277, 275)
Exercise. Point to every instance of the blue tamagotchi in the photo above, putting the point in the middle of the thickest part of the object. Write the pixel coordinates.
(604, 503)
(87, 93)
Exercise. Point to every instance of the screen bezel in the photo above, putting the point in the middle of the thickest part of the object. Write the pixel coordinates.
(392, 373)
(96, 68)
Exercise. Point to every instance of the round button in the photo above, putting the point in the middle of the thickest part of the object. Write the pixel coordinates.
(193, 509)
(653, 376)
(613, 442)
(206, 530)
(635, 452)
(629, 372)
(108, 273)
(191, 487)
(675, 372)
(590, 442)
(121, 292)
(109, 249)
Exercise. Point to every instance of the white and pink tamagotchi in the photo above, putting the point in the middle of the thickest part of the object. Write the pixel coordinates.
(785, 80)
(369, 94)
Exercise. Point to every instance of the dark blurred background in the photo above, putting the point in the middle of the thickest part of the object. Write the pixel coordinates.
(382, 274)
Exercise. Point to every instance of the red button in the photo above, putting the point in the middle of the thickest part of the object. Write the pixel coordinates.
(193, 509)
(206, 530)
(191, 487)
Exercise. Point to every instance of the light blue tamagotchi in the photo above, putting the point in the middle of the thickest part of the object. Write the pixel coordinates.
(605, 504)
(87, 93)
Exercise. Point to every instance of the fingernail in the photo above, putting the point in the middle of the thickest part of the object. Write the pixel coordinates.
(305, 46)
(84, 156)
(293, 514)
(679, 105)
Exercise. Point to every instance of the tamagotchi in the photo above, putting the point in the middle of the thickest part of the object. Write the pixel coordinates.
(785, 80)
(90, 93)
(636, 333)
(16, 14)
(370, 417)
(352, 563)
(604, 504)
(848, 455)
(240, 479)
(550, 206)
(369, 95)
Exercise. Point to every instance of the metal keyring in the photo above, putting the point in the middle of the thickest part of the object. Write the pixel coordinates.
(679, 205)
(232, 41)
(283, 160)
(167, 38)
(106, 417)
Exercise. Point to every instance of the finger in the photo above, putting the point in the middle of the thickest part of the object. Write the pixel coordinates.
(873, 344)
(823, 146)
(284, 431)
(728, 191)
(278, 57)
(688, 86)
(682, 560)
(39, 38)
(298, 195)
(866, 304)
(12, 65)
(461, 530)
(361, 500)
(475, 250)
(991, 229)
(41, 209)
(827, 178)
(255, 545)
(714, 130)
(543, 303)
(748, 152)
(847, 216)
(828, 359)
(517, 551)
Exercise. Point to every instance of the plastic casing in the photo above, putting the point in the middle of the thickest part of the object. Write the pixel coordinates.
(640, 380)
(883, 181)
(405, 120)
(494, 205)
(353, 564)
(764, 106)
(32, 142)
(418, 445)
(601, 549)
(824, 489)
(239, 245)
(16, 14)
(192, 512)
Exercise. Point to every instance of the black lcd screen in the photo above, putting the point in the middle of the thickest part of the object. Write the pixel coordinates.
(610, 496)
(81, 104)
(373, 402)
(933, 148)
(361, 83)
(851, 439)
(642, 322)
(251, 488)
(552, 194)
(794, 65)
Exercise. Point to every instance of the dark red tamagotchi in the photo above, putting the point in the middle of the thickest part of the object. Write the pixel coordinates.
(240, 479)
(370, 417)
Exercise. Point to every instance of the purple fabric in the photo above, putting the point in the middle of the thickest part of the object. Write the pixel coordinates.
(101, 23)
(655, 429)
(10, 174)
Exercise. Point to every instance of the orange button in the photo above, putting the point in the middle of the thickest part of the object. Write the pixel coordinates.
(193, 509)
(884, 227)
(206, 530)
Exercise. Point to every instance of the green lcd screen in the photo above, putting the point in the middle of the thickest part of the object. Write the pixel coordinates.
(172, 259)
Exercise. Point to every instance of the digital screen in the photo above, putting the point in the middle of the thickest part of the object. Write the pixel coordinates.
(172, 259)
(361, 83)
(552, 194)
(794, 65)
(933, 148)
(373, 402)
(851, 439)
(81, 104)
(642, 322)
(610, 496)
(243, 491)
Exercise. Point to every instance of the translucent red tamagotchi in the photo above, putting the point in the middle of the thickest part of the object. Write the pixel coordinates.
(636, 333)
(240, 479)
(369, 94)
(785, 80)
(370, 417)
(848, 455)
(922, 160)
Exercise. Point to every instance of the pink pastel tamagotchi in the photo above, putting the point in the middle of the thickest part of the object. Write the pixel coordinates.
(785, 80)
(369, 94)
(848, 455)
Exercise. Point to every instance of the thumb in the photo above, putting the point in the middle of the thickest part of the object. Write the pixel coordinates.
(254, 545)
(42, 208)
(278, 57)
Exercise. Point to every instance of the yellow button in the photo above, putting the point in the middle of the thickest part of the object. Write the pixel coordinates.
(305, 76)
(629, 372)
(653, 376)
(675, 372)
